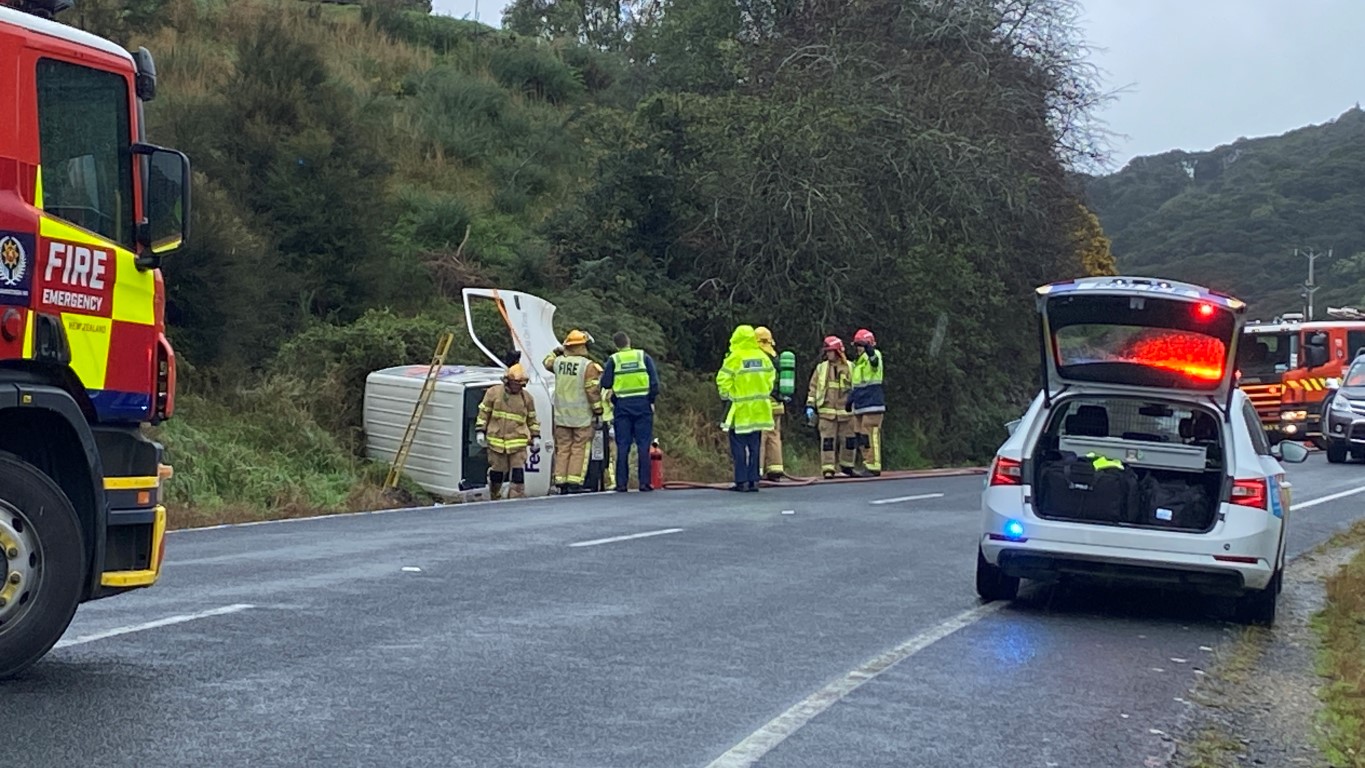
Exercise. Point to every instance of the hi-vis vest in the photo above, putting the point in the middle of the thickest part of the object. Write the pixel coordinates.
(630, 376)
(572, 408)
(830, 397)
(868, 393)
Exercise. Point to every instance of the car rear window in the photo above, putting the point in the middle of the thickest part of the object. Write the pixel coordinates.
(1194, 359)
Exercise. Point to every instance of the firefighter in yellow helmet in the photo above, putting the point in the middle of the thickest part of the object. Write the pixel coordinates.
(507, 427)
(578, 409)
(770, 448)
(746, 381)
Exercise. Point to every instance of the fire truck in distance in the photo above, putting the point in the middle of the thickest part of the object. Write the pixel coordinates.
(1328, 347)
(88, 209)
(1267, 352)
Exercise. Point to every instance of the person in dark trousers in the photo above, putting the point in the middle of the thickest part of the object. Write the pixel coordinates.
(746, 381)
(634, 383)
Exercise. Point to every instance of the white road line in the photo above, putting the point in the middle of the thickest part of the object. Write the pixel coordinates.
(765, 739)
(1325, 499)
(899, 499)
(646, 534)
(166, 622)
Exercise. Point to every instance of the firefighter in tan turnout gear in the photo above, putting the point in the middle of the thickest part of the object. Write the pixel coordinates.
(828, 401)
(507, 426)
(577, 411)
(770, 450)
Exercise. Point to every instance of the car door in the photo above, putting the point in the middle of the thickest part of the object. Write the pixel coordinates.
(1278, 487)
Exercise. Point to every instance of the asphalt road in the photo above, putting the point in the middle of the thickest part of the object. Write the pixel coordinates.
(735, 632)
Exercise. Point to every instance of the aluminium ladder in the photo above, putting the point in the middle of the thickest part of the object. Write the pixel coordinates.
(428, 387)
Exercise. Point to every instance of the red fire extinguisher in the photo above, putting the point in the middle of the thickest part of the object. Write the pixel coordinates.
(656, 466)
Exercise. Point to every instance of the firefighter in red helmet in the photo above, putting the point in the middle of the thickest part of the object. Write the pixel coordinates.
(868, 403)
(828, 401)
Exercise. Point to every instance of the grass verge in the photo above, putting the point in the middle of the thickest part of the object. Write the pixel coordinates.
(1341, 626)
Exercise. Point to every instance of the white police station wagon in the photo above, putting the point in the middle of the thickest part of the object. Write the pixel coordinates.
(1140, 459)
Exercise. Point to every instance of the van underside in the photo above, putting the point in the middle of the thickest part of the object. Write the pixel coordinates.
(1133, 462)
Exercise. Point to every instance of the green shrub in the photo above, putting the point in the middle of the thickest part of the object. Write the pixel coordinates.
(538, 72)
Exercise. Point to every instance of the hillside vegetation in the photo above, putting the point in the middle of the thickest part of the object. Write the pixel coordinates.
(1232, 217)
(666, 168)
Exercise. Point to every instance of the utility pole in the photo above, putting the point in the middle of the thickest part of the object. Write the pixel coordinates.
(1309, 288)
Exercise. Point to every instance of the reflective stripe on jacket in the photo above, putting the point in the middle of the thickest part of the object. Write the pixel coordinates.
(509, 420)
(577, 397)
(746, 380)
(631, 377)
(829, 393)
(869, 396)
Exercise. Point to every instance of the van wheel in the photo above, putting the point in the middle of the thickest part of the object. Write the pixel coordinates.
(992, 583)
(1259, 607)
(1336, 452)
(42, 565)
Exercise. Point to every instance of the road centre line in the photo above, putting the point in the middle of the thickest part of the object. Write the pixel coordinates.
(614, 539)
(166, 622)
(1325, 499)
(899, 499)
(765, 739)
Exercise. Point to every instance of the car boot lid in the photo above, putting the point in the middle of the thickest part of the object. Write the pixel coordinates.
(1139, 334)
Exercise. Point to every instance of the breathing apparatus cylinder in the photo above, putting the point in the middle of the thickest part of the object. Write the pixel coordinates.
(786, 373)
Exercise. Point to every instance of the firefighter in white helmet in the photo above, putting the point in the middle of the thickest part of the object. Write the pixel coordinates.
(507, 427)
(578, 409)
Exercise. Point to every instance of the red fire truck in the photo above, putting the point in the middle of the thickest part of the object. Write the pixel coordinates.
(1328, 347)
(1266, 353)
(88, 210)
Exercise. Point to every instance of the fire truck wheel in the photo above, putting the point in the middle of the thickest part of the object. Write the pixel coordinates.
(42, 565)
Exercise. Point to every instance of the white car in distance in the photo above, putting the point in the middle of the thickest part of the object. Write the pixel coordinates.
(1140, 459)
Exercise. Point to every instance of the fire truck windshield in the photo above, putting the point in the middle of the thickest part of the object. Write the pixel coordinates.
(1262, 354)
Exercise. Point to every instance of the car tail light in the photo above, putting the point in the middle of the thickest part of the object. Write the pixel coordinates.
(1249, 493)
(1007, 471)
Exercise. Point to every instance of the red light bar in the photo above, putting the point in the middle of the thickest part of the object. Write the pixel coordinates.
(1204, 311)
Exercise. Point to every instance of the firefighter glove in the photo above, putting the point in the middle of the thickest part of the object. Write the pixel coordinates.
(481, 438)
(535, 445)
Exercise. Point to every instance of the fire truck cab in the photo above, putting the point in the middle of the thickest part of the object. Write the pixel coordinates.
(88, 210)
(1268, 350)
(1328, 347)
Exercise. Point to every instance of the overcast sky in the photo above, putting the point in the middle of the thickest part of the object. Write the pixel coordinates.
(1200, 73)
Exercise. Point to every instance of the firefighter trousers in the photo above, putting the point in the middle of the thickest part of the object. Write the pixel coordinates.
(503, 467)
(571, 454)
(838, 443)
(770, 451)
(870, 439)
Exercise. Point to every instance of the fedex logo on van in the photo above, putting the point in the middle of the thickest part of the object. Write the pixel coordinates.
(77, 278)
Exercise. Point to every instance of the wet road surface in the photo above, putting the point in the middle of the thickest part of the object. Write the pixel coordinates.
(683, 628)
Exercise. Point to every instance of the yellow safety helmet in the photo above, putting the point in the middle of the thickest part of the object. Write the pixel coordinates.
(577, 338)
(765, 339)
(516, 373)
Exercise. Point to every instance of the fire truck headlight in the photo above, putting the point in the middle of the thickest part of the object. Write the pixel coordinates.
(1293, 415)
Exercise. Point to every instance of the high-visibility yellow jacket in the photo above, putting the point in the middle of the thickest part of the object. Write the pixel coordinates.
(746, 380)
(578, 395)
(509, 420)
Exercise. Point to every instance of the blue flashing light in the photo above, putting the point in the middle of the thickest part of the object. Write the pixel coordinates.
(1014, 529)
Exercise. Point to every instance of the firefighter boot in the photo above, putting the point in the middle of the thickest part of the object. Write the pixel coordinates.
(518, 484)
(495, 480)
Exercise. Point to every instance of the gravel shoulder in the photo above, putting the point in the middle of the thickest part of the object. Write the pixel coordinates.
(1259, 704)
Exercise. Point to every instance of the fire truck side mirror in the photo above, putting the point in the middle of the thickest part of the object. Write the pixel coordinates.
(1315, 355)
(166, 202)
